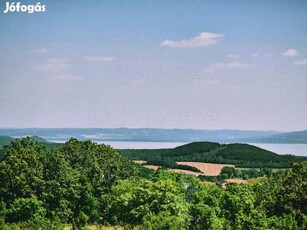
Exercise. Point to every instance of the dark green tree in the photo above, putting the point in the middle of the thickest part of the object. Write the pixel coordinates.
(21, 176)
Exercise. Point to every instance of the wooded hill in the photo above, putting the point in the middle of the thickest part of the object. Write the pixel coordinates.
(241, 155)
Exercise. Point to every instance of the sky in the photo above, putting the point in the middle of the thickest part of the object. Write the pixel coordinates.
(155, 64)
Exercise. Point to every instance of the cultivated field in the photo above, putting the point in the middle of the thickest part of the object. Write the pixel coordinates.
(186, 172)
(155, 167)
(207, 168)
(236, 181)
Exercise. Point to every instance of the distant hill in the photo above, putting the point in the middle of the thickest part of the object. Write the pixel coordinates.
(194, 148)
(159, 135)
(6, 140)
(299, 137)
(39, 139)
(242, 155)
(142, 134)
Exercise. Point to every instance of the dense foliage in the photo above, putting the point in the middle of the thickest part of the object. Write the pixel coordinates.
(65, 185)
(167, 163)
(241, 155)
(173, 201)
(231, 172)
(83, 183)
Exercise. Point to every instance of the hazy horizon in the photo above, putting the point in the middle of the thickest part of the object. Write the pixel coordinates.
(277, 131)
(214, 65)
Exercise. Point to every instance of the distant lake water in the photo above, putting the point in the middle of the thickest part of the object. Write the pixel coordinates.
(141, 145)
(293, 149)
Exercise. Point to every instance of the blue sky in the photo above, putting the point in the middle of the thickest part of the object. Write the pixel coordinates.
(167, 64)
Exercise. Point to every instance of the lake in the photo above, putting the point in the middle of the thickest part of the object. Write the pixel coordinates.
(141, 145)
(294, 149)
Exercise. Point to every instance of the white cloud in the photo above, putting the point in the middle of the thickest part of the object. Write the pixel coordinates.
(265, 55)
(302, 62)
(233, 56)
(290, 53)
(41, 51)
(203, 39)
(100, 59)
(54, 64)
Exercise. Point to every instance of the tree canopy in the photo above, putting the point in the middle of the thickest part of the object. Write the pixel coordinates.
(84, 183)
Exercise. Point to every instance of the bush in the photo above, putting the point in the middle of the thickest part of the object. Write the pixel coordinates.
(163, 220)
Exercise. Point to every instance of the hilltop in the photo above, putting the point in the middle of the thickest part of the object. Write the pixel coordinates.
(242, 155)
(159, 135)
(298, 137)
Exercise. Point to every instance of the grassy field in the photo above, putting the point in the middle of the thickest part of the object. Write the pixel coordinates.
(257, 180)
(258, 169)
(139, 162)
(236, 180)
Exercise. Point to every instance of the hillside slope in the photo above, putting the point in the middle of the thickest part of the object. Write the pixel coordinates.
(298, 137)
(242, 155)
(139, 134)
(5, 140)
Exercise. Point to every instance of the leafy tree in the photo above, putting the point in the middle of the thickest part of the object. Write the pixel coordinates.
(21, 171)
(229, 171)
(100, 163)
(163, 220)
(285, 222)
(99, 167)
(61, 188)
(285, 195)
(293, 196)
(82, 183)
(139, 201)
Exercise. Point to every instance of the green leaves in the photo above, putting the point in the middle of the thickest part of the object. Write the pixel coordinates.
(25, 209)
(141, 201)
(21, 171)
(65, 184)
(100, 163)
(83, 183)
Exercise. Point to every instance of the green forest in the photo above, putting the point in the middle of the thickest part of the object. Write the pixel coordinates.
(82, 183)
(241, 155)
